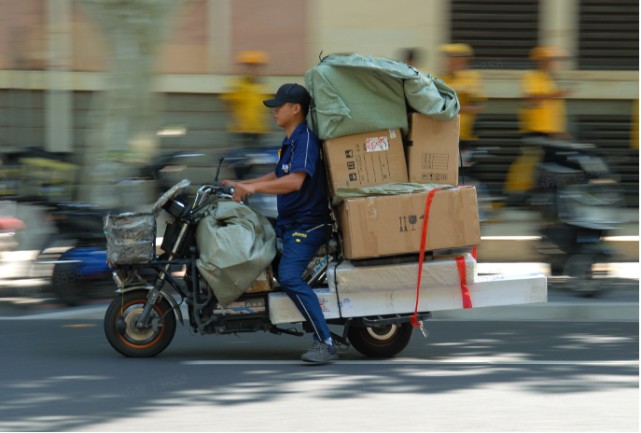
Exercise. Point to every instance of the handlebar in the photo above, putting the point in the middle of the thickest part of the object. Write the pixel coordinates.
(170, 194)
(223, 191)
(217, 189)
(228, 189)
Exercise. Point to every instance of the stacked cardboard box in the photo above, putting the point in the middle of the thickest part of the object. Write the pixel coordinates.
(369, 159)
(432, 151)
(392, 225)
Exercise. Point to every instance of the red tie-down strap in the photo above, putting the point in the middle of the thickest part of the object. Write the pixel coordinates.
(460, 263)
(465, 293)
(421, 256)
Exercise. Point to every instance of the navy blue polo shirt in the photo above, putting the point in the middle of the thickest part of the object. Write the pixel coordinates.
(309, 205)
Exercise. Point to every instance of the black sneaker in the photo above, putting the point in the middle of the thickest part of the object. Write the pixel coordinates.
(320, 353)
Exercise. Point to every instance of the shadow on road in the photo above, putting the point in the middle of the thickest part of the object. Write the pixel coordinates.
(63, 375)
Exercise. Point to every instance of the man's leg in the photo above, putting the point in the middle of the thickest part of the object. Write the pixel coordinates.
(299, 247)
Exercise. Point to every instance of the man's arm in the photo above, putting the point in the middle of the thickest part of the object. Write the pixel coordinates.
(276, 185)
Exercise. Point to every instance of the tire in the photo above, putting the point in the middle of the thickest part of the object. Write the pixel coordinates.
(68, 285)
(130, 341)
(580, 268)
(383, 341)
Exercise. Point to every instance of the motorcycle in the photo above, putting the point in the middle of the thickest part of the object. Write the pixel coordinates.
(153, 288)
(578, 198)
(141, 321)
(80, 273)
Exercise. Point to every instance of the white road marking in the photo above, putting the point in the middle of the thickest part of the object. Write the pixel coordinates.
(406, 361)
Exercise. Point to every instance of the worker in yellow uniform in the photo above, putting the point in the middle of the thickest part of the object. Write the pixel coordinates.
(542, 116)
(469, 89)
(543, 113)
(468, 86)
(245, 100)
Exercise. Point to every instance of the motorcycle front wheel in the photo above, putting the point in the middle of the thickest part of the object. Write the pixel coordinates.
(383, 341)
(123, 334)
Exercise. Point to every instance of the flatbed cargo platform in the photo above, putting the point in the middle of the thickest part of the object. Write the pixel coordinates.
(392, 295)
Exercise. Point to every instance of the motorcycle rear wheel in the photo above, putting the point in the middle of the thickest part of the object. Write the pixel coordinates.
(580, 268)
(383, 341)
(121, 331)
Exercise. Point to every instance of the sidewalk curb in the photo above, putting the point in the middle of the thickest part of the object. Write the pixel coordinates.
(557, 311)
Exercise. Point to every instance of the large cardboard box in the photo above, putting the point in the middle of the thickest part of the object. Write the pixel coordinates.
(438, 272)
(432, 151)
(370, 159)
(392, 225)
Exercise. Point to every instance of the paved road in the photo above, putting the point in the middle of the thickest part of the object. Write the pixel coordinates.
(61, 375)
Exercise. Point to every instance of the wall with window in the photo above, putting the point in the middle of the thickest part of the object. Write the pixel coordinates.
(54, 57)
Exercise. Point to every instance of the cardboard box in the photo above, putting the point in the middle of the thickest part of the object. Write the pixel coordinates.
(392, 225)
(264, 282)
(433, 152)
(438, 272)
(369, 159)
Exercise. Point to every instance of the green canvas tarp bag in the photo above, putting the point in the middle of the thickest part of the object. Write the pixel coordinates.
(235, 245)
(353, 94)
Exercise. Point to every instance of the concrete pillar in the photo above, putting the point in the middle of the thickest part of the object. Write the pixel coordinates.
(219, 35)
(558, 25)
(437, 32)
(58, 97)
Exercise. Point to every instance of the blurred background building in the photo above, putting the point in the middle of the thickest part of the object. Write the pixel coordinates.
(108, 84)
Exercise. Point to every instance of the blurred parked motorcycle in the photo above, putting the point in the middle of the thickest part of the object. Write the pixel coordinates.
(80, 273)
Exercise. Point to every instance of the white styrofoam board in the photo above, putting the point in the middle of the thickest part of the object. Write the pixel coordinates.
(283, 310)
(486, 291)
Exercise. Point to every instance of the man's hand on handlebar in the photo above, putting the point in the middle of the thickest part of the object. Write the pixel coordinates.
(240, 190)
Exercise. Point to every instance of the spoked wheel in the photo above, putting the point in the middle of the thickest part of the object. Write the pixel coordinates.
(383, 341)
(123, 334)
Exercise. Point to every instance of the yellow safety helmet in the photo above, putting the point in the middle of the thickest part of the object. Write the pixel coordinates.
(457, 50)
(252, 57)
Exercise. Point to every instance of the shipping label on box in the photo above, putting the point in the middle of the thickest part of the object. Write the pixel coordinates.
(392, 225)
(362, 160)
(433, 153)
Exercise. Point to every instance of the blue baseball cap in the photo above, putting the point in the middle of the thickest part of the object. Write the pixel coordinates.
(290, 92)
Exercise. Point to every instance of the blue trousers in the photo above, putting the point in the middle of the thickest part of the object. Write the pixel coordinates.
(299, 246)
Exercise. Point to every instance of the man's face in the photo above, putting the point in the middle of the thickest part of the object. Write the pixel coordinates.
(286, 114)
